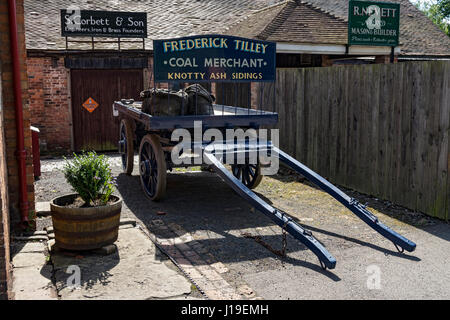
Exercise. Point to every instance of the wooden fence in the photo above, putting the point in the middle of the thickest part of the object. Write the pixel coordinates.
(382, 130)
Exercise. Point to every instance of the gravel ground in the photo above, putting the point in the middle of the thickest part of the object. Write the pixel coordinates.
(203, 205)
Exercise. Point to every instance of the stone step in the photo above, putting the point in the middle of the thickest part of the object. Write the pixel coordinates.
(31, 238)
(43, 208)
(126, 221)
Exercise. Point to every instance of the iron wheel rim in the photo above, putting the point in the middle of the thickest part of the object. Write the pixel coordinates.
(246, 173)
(123, 139)
(148, 167)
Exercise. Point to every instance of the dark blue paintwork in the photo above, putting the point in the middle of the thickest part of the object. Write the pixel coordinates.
(281, 219)
(352, 204)
(277, 216)
(243, 118)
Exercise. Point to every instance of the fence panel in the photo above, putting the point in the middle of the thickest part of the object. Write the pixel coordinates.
(379, 129)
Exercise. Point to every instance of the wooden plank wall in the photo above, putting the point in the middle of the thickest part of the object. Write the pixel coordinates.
(379, 129)
(233, 94)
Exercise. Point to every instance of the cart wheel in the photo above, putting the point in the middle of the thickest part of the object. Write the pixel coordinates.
(152, 167)
(126, 147)
(249, 174)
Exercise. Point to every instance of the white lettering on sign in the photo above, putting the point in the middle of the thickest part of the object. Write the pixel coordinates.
(180, 62)
(234, 63)
(132, 23)
(87, 21)
(367, 11)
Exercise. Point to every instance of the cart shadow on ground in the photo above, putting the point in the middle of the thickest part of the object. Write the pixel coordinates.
(419, 220)
(207, 205)
(203, 203)
(346, 238)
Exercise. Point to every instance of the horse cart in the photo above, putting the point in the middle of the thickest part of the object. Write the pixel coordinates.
(152, 135)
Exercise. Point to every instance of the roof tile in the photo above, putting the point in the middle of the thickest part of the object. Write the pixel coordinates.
(311, 21)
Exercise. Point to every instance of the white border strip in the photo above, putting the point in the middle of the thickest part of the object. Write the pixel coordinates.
(333, 49)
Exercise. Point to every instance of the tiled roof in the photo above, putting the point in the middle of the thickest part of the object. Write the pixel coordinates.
(166, 18)
(316, 21)
(418, 34)
(293, 21)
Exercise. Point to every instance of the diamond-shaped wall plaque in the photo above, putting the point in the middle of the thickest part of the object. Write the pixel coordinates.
(90, 104)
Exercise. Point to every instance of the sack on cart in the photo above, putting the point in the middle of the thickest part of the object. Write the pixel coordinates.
(163, 102)
(200, 100)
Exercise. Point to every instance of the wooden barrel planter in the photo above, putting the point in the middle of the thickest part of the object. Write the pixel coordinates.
(85, 228)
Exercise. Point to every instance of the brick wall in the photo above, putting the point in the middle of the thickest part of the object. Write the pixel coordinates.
(49, 94)
(9, 112)
(9, 173)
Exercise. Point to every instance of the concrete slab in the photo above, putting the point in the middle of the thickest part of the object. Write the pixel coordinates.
(33, 283)
(27, 247)
(133, 272)
(30, 259)
(31, 273)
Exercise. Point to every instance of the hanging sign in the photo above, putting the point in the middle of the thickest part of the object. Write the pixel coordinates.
(88, 23)
(214, 58)
(373, 23)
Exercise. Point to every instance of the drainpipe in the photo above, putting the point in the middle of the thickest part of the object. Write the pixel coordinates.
(21, 153)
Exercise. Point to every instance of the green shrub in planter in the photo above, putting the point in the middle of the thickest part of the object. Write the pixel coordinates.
(90, 176)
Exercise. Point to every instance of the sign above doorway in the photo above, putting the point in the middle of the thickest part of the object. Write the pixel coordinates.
(373, 23)
(88, 23)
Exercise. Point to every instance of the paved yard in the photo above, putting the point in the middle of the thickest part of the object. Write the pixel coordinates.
(203, 223)
(135, 270)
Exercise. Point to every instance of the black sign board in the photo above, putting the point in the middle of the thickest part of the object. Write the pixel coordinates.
(209, 58)
(87, 23)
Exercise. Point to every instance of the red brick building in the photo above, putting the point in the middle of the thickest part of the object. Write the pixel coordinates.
(14, 207)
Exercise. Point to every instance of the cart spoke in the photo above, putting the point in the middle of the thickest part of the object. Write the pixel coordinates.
(252, 171)
(247, 177)
(151, 187)
(144, 156)
(148, 149)
(154, 181)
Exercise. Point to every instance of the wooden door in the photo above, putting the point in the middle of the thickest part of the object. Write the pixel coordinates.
(93, 93)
